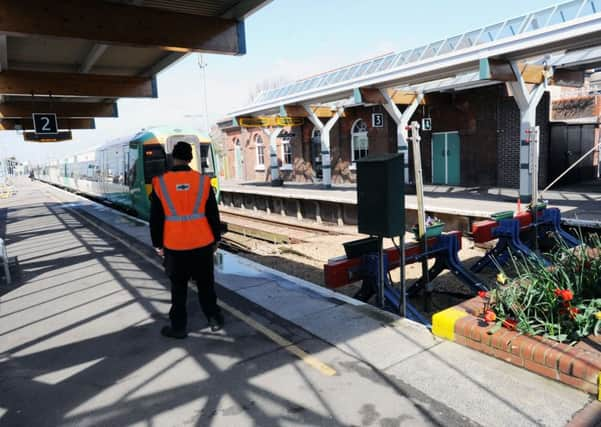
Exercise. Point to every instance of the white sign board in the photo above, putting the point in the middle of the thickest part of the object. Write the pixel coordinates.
(377, 120)
(45, 123)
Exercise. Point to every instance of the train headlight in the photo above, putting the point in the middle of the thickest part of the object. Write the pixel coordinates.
(214, 183)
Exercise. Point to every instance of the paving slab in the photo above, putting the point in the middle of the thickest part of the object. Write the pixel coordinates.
(379, 341)
(489, 391)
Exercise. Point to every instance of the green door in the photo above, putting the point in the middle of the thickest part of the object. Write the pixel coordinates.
(446, 158)
(439, 170)
(239, 162)
(453, 159)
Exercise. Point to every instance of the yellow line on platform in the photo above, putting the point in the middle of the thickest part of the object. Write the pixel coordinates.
(280, 340)
(272, 335)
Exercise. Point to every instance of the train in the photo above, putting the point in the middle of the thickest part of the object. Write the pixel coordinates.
(121, 171)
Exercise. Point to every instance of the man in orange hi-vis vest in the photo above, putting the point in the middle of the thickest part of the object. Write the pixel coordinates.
(185, 229)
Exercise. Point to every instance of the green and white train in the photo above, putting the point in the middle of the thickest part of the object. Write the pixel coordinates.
(121, 171)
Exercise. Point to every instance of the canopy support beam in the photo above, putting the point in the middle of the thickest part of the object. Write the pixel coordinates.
(326, 162)
(402, 121)
(273, 134)
(527, 101)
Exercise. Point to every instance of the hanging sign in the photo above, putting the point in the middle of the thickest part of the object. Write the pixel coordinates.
(45, 123)
(377, 120)
(257, 122)
(41, 137)
(289, 121)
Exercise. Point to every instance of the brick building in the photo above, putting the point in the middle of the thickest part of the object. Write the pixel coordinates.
(480, 129)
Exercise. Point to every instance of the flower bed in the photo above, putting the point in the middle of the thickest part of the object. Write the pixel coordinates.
(545, 319)
(561, 302)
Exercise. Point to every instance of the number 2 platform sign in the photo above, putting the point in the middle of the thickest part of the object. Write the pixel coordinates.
(45, 123)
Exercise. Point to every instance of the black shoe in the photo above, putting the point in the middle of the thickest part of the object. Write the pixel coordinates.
(168, 331)
(216, 322)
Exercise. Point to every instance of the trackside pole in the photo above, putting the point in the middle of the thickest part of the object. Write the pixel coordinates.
(532, 138)
(419, 188)
(534, 142)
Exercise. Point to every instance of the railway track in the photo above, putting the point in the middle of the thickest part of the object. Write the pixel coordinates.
(270, 229)
(273, 230)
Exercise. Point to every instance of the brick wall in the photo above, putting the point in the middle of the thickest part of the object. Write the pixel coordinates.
(381, 140)
(574, 365)
(486, 118)
(508, 140)
(472, 113)
(248, 148)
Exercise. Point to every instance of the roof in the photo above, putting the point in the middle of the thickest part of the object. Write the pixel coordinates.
(97, 51)
(32, 52)
(570, 25)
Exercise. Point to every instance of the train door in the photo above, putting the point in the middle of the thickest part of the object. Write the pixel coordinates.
(102, 171)
(135, 178)
(154, 163)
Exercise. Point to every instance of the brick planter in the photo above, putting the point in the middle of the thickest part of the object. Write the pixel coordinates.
(578, 366)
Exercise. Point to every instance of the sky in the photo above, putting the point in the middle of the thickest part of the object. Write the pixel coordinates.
(286, 40)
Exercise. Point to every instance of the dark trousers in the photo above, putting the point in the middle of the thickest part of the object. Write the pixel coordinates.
(181, 266)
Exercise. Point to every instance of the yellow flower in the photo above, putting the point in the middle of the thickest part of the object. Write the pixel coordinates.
(501, 278)
(598, 315)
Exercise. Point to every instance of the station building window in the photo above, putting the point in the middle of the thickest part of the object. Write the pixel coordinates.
(359, 140)
(260, 147)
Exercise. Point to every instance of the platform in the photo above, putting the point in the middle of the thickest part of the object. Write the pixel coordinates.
(458, 207)
(80, 345)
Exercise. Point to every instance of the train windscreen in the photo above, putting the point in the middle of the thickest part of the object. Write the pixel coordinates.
(206, 160)
(155, 162)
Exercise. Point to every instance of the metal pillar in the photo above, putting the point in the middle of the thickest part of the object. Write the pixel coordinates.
(273, 134)
(326, 163)
(402, 121)
(421, 209)
(527, 102)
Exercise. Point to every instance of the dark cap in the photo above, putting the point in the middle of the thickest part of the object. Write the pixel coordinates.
(182, 151)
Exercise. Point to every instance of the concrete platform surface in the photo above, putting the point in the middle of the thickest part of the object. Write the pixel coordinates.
(79, 343)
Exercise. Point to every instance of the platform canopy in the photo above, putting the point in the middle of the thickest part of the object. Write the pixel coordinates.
(565, 38)
(76, 58)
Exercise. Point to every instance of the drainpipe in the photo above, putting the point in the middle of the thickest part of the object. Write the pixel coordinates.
(325, 141)
(402, 122)
(527, 101)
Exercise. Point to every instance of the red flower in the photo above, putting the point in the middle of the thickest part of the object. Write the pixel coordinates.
(510, 324)
(564, 294)
(490, 316)
(574, 311)
(567, 295)
(482, 294)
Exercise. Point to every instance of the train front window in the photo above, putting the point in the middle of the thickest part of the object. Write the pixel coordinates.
(206, 160)
(155, 162)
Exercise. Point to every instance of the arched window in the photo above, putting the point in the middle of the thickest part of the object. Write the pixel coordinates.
(260, 151)
(359, 140)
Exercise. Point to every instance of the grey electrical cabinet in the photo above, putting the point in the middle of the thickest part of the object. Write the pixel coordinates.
(381, 195)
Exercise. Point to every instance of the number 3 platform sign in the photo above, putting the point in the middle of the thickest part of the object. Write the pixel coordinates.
(45, 123)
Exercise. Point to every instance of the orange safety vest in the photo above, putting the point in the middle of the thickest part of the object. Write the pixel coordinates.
(184, 198)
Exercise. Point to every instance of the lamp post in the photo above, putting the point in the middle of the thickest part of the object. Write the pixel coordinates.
(202, 65)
